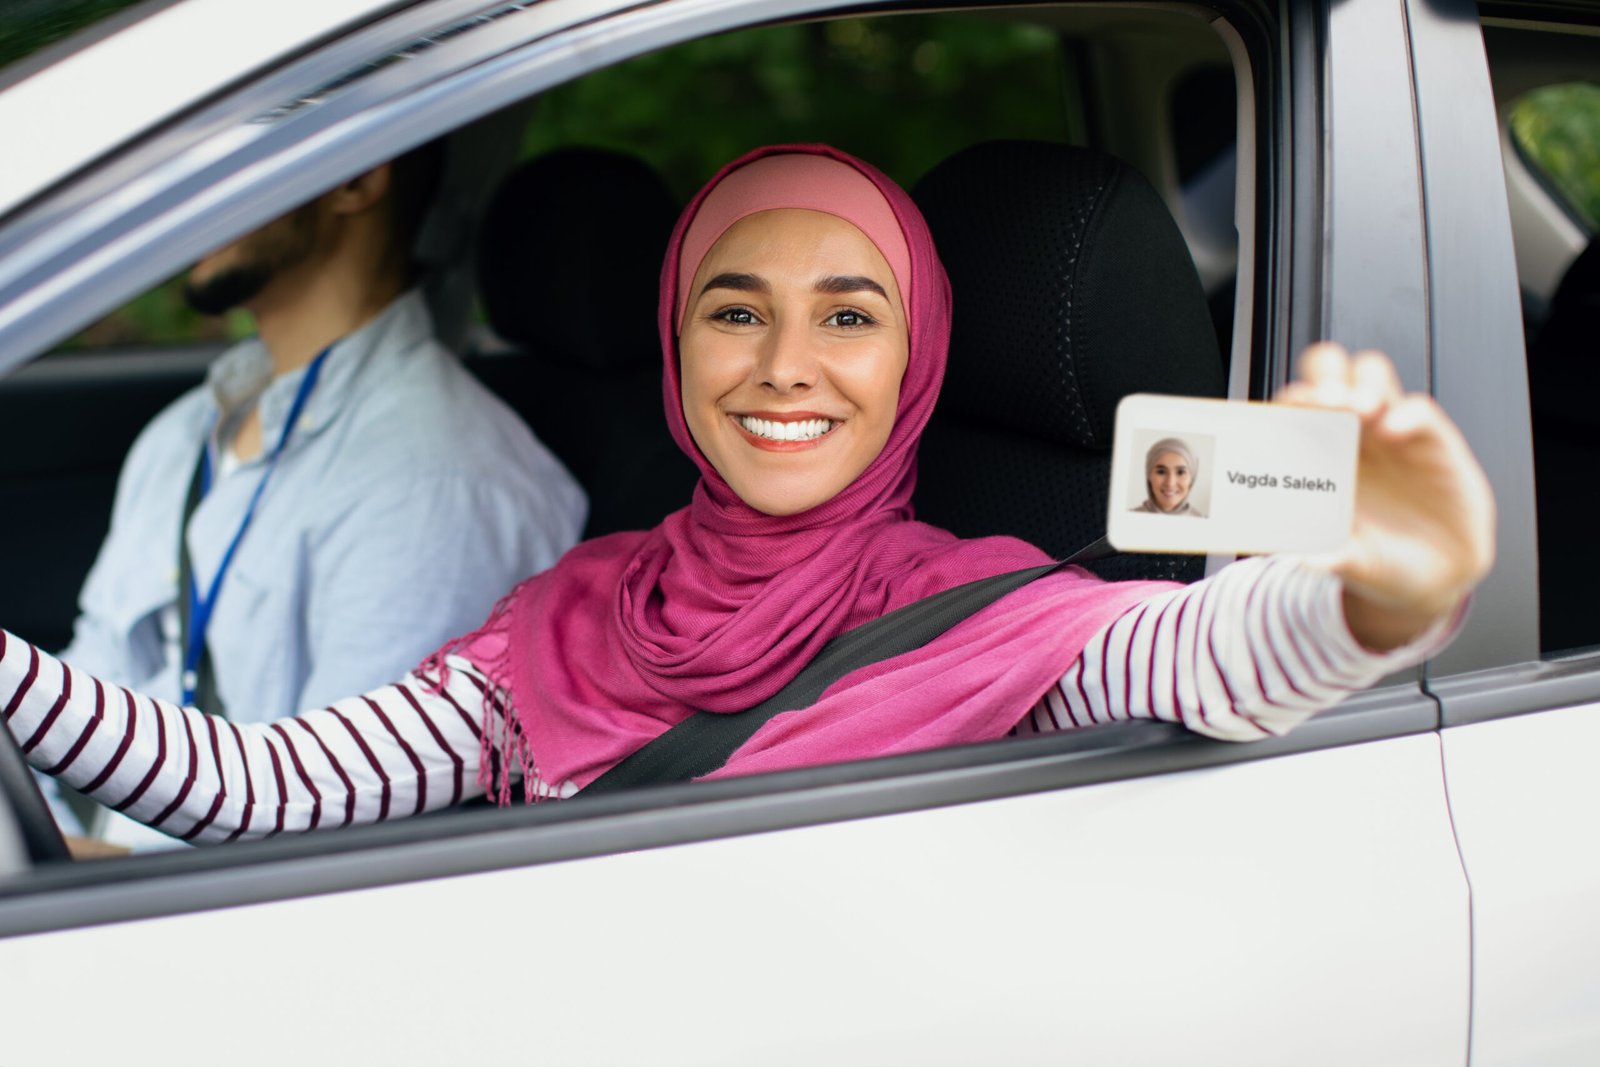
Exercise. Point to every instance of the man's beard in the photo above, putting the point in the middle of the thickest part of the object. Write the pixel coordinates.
(260, 257)
(227, 289)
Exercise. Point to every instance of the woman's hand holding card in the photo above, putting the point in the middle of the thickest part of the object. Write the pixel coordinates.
(1424, 513)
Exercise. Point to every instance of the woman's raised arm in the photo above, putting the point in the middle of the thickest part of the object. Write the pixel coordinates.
(1246, 654)
(1266, 643)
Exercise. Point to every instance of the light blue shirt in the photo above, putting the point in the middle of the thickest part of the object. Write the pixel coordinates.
(408, 499)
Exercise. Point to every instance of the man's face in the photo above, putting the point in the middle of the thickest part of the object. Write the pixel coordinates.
(236, 274)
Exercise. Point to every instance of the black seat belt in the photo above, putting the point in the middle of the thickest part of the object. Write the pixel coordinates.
(705, 740)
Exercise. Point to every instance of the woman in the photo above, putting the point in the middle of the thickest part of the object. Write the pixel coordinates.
(1169, 472)
(804, 318)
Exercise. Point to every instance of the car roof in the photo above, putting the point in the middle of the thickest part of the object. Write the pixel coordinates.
(90, 99)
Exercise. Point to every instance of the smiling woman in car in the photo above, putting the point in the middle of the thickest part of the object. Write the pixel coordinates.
(804, 320)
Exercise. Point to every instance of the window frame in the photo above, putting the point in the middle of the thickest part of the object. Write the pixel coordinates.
(71, 260)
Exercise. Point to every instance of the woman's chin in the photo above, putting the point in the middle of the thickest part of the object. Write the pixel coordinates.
(781, 506)
(773, 490)
(782, 497)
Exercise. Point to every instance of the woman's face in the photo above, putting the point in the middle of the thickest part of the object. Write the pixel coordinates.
(1170, 478)
(793, 347)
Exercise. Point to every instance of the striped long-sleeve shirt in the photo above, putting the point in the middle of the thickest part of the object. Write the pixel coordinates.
(1245, 654)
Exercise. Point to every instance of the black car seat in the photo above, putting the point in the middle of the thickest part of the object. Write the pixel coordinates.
(1563, 383)
(569, 261)
(1073, 288)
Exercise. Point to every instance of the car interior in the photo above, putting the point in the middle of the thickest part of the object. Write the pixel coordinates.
(1097, 235)
(533, 343)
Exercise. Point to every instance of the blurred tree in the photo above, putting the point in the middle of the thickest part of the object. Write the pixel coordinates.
(1558, 128)
(161, 316)
(26, 26)
(902, 92)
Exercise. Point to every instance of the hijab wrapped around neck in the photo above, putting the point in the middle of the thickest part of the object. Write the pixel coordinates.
(721, 605)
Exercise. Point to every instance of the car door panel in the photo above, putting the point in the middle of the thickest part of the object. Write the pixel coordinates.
(1526, 799)
(1318, 899)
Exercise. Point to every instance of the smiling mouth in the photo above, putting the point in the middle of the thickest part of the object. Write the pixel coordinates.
(799, 430)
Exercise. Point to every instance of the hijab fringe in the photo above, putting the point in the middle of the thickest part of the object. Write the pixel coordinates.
(499, 749)
(434, 671)
(505, 748)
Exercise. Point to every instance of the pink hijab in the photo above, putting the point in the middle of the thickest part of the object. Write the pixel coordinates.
(721, 605)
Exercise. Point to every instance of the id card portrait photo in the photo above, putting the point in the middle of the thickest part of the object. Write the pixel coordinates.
(1199, 476)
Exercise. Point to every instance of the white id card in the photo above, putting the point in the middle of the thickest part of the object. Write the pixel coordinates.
(1229, 476)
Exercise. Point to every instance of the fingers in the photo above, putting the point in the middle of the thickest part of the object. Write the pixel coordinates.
(1412, 415)
(1374, 385)
(1330, 377)
(1324, 374)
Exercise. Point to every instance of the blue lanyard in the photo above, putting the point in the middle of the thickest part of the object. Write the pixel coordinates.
(200, 609)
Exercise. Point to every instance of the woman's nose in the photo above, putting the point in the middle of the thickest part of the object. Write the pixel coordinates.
(787, 359)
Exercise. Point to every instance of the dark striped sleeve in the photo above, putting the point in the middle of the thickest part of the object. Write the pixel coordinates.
(1246, 654)
(392, 752)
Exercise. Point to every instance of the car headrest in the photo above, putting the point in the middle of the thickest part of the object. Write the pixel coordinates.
(1562, 374)
(1073, 288)
(569, 258)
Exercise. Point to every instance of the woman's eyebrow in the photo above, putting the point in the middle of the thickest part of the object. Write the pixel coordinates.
(744, 283)
(838, 284)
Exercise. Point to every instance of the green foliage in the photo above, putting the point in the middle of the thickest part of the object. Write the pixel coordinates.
(29, 25)
(1558, 127)
(161, 316)
(902, 92)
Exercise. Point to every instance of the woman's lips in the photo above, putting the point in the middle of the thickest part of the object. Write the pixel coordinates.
(787, 432)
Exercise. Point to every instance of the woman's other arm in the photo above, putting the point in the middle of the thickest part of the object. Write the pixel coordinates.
(400, 750)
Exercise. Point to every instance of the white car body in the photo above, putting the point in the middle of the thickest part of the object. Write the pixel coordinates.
(1410, 879)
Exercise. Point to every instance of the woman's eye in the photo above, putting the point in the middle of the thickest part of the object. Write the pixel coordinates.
(849, 319)
(736, 316)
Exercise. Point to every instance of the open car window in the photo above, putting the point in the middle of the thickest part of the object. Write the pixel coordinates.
(1105, 76)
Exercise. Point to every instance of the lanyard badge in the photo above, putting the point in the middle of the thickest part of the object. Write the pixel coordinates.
(200, 608)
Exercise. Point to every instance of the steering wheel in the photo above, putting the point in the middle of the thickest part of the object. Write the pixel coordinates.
(20, 791)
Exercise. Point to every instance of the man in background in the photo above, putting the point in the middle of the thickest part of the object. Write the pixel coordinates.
(338, 499)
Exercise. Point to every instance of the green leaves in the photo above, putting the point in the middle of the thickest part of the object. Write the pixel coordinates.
(902, 92)
(26, 26)
(1557, 129)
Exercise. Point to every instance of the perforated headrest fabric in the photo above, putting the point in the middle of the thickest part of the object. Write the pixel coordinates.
(569, 258)
(1073, 288)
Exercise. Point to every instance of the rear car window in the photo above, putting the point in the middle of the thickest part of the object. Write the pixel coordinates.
(1555, 132)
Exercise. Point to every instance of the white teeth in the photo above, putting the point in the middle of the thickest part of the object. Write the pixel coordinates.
(804, 430)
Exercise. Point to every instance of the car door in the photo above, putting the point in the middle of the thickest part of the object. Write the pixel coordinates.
(1124, 894)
